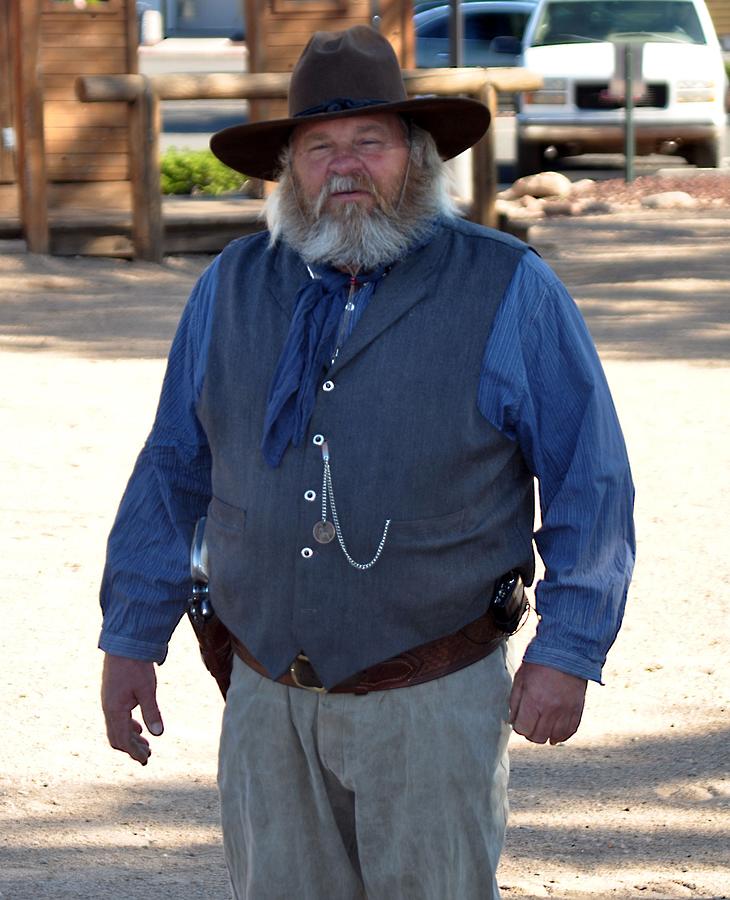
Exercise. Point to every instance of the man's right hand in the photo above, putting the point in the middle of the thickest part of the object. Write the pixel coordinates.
(126, 684)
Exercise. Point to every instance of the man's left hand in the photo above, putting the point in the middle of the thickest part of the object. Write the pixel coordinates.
(546, 704)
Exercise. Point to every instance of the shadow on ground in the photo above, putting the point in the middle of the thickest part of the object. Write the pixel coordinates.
(97, 308)
(685, 776)
(170, 845)
(91, 841)
(650, 287)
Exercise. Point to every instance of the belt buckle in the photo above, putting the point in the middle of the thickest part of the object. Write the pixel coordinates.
(295, 675)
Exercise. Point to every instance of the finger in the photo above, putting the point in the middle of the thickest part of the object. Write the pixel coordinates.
(147, 699)
(125, 734)
(515, 699)
(139, 750)
(526, 720)
(538, 728)
(565, 727)
(151, 714)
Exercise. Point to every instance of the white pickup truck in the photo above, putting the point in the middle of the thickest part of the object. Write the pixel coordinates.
(680, 83)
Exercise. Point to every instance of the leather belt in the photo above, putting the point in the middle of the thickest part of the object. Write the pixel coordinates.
(423, 663)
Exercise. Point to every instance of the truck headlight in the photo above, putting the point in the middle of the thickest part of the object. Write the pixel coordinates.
(554, 91)
(696, 91)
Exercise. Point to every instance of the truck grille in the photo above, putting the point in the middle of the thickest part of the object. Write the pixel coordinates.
(595, 96)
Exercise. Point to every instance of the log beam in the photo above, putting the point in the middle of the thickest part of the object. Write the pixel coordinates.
(32, 180)
(145, 93)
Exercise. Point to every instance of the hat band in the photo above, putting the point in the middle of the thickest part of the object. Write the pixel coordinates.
(338, 105)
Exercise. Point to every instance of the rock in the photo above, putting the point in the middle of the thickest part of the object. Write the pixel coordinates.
(532, 203)
(559, 208)
(514, 209)
(545, 184)
(594, 207)
(669, 200)
(581, 186)
(503, 205)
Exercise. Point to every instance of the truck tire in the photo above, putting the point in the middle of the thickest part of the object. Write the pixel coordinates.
(706, 154)
(530, 159)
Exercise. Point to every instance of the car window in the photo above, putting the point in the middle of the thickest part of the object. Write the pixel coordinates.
(565, 21)
(437, 28)
(479, 26)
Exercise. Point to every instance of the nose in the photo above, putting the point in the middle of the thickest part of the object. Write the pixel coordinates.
(345, 162)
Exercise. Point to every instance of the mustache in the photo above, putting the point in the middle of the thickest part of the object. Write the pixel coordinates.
(338, 184)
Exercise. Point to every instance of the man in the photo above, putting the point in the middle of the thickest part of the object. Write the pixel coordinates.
(359, 400)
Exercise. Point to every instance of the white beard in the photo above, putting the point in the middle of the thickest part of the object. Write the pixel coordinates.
(352, 237)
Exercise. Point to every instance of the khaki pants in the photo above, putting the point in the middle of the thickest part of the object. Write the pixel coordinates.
(392, 795)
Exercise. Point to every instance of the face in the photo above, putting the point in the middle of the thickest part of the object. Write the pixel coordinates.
(359, 156)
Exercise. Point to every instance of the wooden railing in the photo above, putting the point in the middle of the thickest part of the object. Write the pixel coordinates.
(144, 94)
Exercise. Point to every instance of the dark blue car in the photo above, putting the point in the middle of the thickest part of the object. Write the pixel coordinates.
(484, 20)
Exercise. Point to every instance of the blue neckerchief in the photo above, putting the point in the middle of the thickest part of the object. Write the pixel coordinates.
(308, 349)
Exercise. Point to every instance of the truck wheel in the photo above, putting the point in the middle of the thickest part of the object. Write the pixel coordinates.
(530, 159)
(706, 154)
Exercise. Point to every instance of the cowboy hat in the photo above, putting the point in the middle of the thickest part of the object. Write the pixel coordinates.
(343, 74)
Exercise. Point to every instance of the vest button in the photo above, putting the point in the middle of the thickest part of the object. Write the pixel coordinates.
(318, 440)
(328, 386)
(307, 552)
(310, 496)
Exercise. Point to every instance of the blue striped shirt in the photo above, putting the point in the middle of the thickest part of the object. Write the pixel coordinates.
(541, 385)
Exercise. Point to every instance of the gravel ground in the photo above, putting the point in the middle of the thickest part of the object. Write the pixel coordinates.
(637, 805)
(711, 191)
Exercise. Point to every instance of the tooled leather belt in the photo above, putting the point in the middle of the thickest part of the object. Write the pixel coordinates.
(423, 663)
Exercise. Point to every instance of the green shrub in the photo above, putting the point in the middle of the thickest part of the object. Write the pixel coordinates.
(196, 171)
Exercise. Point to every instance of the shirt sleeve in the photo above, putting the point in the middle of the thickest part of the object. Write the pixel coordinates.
(543, 386)
(146, 580)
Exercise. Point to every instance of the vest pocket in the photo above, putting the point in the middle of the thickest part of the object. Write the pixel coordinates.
(431, 530)
(224, 515)
(226, 540)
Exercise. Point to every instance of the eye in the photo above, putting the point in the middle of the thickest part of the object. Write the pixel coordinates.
(319, 149)
(371, 145)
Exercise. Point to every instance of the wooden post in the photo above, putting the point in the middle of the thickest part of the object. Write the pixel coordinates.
(32, 182)
(148, 232)
(484, 166)
(7, 99)
(132, 34)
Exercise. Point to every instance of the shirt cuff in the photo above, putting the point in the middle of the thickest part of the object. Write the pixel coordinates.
(563, 661)
(118, 645)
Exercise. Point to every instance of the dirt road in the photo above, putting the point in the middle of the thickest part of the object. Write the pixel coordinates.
(637, 805)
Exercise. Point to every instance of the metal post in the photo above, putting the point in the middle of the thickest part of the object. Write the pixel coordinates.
(629, 136)
(375, 19)
(456, 35)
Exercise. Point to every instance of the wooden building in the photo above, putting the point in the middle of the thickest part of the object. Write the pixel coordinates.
(61, 158)
(720, 12)
(278, 30)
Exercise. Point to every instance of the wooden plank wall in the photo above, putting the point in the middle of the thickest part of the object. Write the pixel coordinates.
(7, 118)
(86, 143)
(720, 12)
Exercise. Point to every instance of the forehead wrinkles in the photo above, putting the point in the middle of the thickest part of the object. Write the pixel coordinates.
(386, 125)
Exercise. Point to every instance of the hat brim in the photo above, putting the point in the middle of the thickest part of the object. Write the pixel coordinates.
(455, 123)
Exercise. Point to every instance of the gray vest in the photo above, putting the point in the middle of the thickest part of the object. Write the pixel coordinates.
(407, 443)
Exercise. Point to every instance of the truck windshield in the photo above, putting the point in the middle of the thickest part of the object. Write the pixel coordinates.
(588, 21)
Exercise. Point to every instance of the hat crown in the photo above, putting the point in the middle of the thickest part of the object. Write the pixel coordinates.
(345, 74)
(358, 64)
